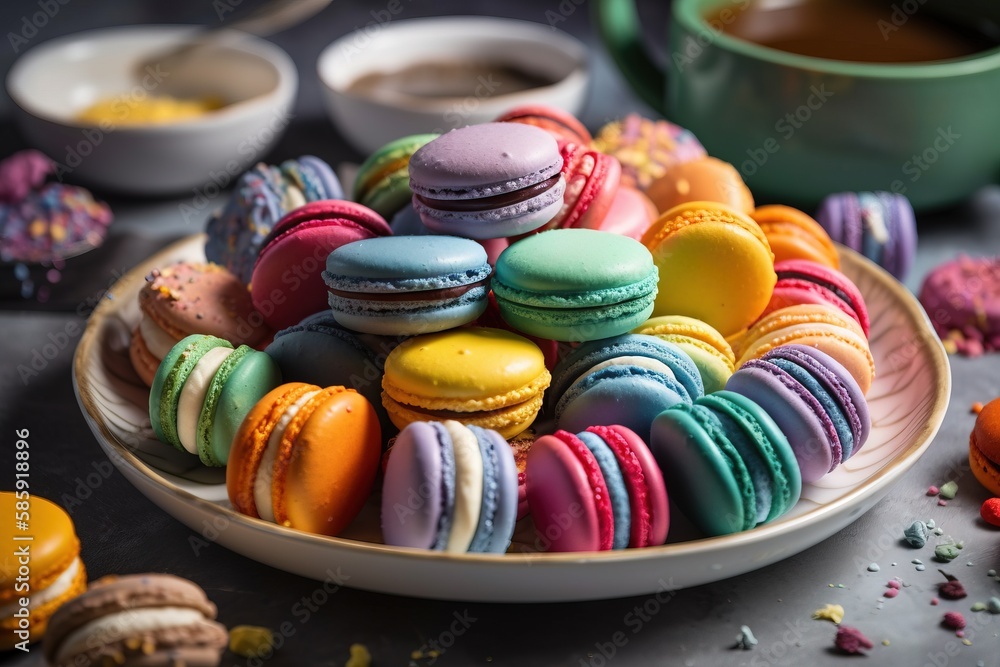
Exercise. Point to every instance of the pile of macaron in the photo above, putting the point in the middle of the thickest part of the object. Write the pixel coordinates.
(515, 321)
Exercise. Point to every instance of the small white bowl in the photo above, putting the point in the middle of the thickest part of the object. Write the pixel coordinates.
(54, 82)
(368, 124)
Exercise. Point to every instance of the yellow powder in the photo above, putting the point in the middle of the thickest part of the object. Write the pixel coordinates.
(148, 110)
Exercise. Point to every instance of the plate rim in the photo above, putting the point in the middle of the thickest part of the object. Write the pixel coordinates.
(922, 439)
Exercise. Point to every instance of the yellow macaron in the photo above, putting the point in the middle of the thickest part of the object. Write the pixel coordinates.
(478, 376)
(42, 573)
(710, 352)
(715, 265)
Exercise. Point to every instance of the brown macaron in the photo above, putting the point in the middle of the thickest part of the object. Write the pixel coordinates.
(147, 620)
(189, 298)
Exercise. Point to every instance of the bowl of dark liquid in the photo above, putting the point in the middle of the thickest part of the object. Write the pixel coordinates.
(810, 97)
(434, 75)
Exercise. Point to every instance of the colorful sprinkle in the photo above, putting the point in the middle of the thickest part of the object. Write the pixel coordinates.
(873, 567)
(993, 606)
(949, 490)
(932, 490)
(990, 511)
(250, 641)
(360, 657)
(978, 606)
(951, 589)
(851, 640)
(745, 640)
(977, 407)
(946, 552)
(935, 602)
(829, 612)
(953, 620)
(916, 534)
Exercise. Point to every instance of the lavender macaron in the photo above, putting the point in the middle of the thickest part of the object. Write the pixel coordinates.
(814, 400)
(488, 181)
(879, 225)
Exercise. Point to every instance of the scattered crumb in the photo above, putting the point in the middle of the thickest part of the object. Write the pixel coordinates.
(894, 565)
(942, 503)
(935, 602)
(967, 642)
(851, 640)
(991, 573)
(951, 589)
(933, 490)
(360, 657)
(976, 408)
(841, 586)
(885, 642)
(939, 531)
(891, 593)
(990, 511)
(829, 612)
(873, 567)
(745, 640)
(953, 620)
(946, 552)
(978, 606)
(250, 641)
(920, 568)
(893, 583)
(949, 490)
(930, 523)
(917, 561)
(916, 534)
(993, 606)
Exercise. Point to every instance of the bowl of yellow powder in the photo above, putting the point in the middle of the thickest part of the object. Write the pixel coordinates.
(87, 101)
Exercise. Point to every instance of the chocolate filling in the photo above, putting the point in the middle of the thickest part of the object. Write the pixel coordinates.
(423, 295)
(496, 201)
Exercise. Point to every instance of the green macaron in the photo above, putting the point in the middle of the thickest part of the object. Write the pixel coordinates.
(173, 372)
(383, 180)
(243, 379)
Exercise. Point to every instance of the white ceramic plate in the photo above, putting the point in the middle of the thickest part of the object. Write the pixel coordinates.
(908, 402)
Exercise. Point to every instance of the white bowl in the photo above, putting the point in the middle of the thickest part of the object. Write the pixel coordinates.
(52, 83)
(368, 124)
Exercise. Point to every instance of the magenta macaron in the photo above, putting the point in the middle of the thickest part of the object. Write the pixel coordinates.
(804, 281)
(287, 282)
(596, 490)
(488, 181)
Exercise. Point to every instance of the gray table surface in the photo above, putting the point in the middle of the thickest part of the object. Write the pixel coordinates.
(122, 532)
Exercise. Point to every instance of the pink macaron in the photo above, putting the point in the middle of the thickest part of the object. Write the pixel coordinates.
(287, 283)
(631, 214)
(596, 490)
(804, 281)
(562, 125)
(592, 180)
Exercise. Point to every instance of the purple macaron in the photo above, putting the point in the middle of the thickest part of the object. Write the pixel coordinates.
(879, 225)
(488, 181)
(815, 402)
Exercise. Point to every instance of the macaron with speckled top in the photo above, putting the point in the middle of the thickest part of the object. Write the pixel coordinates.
(488, 181)
(480, 377)
(646, 148)
(305, 457)
(575, 284)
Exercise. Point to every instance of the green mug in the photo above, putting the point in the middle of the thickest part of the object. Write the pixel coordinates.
(799, 128)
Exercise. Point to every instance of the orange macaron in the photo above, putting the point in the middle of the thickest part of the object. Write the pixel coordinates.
(984, 447)
(794, 235)
(305, 457)
(704, 179)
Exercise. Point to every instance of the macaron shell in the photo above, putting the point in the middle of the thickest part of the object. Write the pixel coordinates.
(592, 180)
(412, 496)
(700, 478)
(830, 285)
(560, 124)
(656, 490)
(796, 413)
(469, 470)
(41, 613)
(493, 223)
(142, 359)
(508, 421)
(286, 285)
(702, 251)
(328, 478)
(630, 214)
(567, 495)
(53, 548)
(984, 470)
(505, 480)
(793, 234)
(383, 180)
(703, 179)
(618, 493)
(252, 377)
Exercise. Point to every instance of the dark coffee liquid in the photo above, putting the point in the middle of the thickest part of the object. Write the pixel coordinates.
(872, 31)
(449, 80)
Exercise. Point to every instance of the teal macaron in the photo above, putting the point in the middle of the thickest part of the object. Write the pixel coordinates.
(575, 284)
(727, 464)
(383, 180)
(202, 391)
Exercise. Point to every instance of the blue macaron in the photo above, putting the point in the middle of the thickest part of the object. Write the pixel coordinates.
(626, 380)
(621, 510)
(407, 285)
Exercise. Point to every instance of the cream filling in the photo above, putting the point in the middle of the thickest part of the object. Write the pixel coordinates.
(468, 486)
(265, 471)
(59, 587)
(193, 395)
(124, 624)
(642, 362)
(158, 341)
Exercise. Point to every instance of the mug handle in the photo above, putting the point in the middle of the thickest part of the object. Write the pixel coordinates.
(620, 29)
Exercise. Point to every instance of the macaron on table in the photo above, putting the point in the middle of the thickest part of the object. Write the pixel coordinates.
(689, 370)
